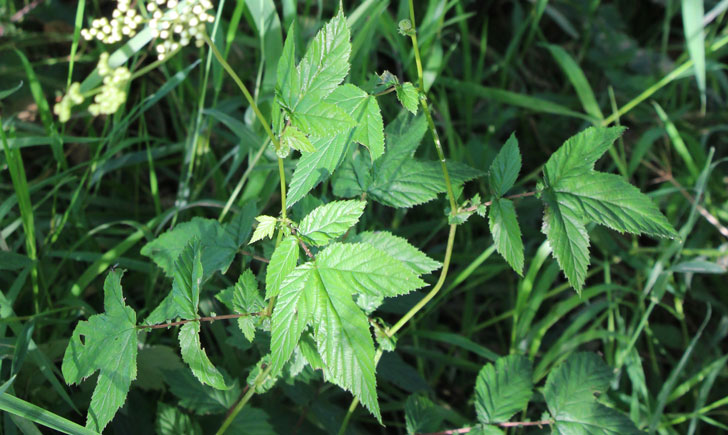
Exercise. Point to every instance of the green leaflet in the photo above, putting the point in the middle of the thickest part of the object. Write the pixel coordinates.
(569, 394)
(282, 262)
(183, 301)
(294, 138)
(266, 227)
(400, 249)
(506, 232)
(109, 345)
(574, 193)
(364, 109)
(242, 298)
(408, 96)
(330, 221)
(171, 420)
(505, 167)
(421, 415)
(287, 81)
(219, 243)
(321, 119)
(503, 389)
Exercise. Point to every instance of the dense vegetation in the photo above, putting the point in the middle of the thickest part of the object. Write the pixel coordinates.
(254, 216)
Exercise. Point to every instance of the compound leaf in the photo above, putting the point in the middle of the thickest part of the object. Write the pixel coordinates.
(506, 232)
(570, 396)
(503, 389)
(330, 221)
(364, 109)
(505, 167)
(242, 298)
(282, 262)
(106, 342)
(400, 249)
(184, 298)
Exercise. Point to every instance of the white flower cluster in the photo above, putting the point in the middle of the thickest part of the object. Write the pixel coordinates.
(124, 23)
(183, 22)
(113, 92)
(72, 98)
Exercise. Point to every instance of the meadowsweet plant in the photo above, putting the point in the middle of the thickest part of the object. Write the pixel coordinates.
(313, 307)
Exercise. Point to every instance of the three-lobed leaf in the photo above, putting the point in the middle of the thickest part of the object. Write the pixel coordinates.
(108, 343)
(503, 389)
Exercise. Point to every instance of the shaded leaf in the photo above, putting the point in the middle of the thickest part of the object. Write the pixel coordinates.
(503, 389)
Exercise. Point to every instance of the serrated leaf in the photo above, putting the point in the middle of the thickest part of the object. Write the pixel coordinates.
(266, 227)
(570, 396)
(421, 415)
(568, 239)
(108, 343)
(242, 298)
(344, 341)
(579, 153)
(219, 244)
(252, 421)
(408, 96)
(294, 138)
(282, 262)
(321, 119)
(199, 398)
(239, 228)
(503, 389)
(505, 167)
(400, 249)
(354, 176)
(313, 168)
(506, 232)
(288, 82)
(415, 182)
(362, 268)
(609, 200)
(364, 109)
(293, 310)
(330, 221)
(194, 355)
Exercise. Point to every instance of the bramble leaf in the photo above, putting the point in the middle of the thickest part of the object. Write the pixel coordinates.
(282, 262)
(294, 138)
(407, 94)
(321, 119)
(421, 415)
(570, 396)
(330, 221)
(505, 167)
(106, 342)
(266, 227)
(364, 109)
(579, 153)
(194, 355)
(506, 232)
(503, 389)
(400, 249)
(243, 298)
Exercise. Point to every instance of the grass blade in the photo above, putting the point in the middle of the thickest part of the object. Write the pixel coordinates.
(692, 17)
(578, 80)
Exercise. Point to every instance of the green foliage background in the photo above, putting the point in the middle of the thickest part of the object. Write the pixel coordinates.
(83, 203)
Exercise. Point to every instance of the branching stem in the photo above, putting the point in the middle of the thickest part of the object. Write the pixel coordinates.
(200, 319)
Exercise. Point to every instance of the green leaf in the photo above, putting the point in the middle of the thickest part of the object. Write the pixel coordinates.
(570, 396)
(243, 298)
(408, 96)
(505, 167)
(506, 232)
(282, 262)
(313, 168)
(578, 154)
(199, 398)
(171, 421)
(239, 228)
(503, 389)
(421, 415)
(252, 421)
(194, 355)
(219, 243)
(321, 119)
(294, 138)
(266, 227)
(363, 269)
(7, 92)
(400, 249)
(694, 30)
(364, 109)
(330, 221)
(568, 239)
(609, 200)
(293, 311)
(578, 80)
(288, 82)
(106, 342)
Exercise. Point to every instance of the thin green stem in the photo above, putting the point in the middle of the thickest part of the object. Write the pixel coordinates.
(244, 89)
(154, 64)
(241, 183)
(413, 36)
(282, 173)
(246, 398)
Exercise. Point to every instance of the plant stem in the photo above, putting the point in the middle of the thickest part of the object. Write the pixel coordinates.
(244, 89)
(505, 424)
(154, 64)
(413, 36)
(239, 407)
(487, 203)
(200, 319)
(282, 174)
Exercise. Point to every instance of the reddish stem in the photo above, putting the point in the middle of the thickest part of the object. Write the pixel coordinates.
(201, 319)
(506, 424)
(520, 195)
